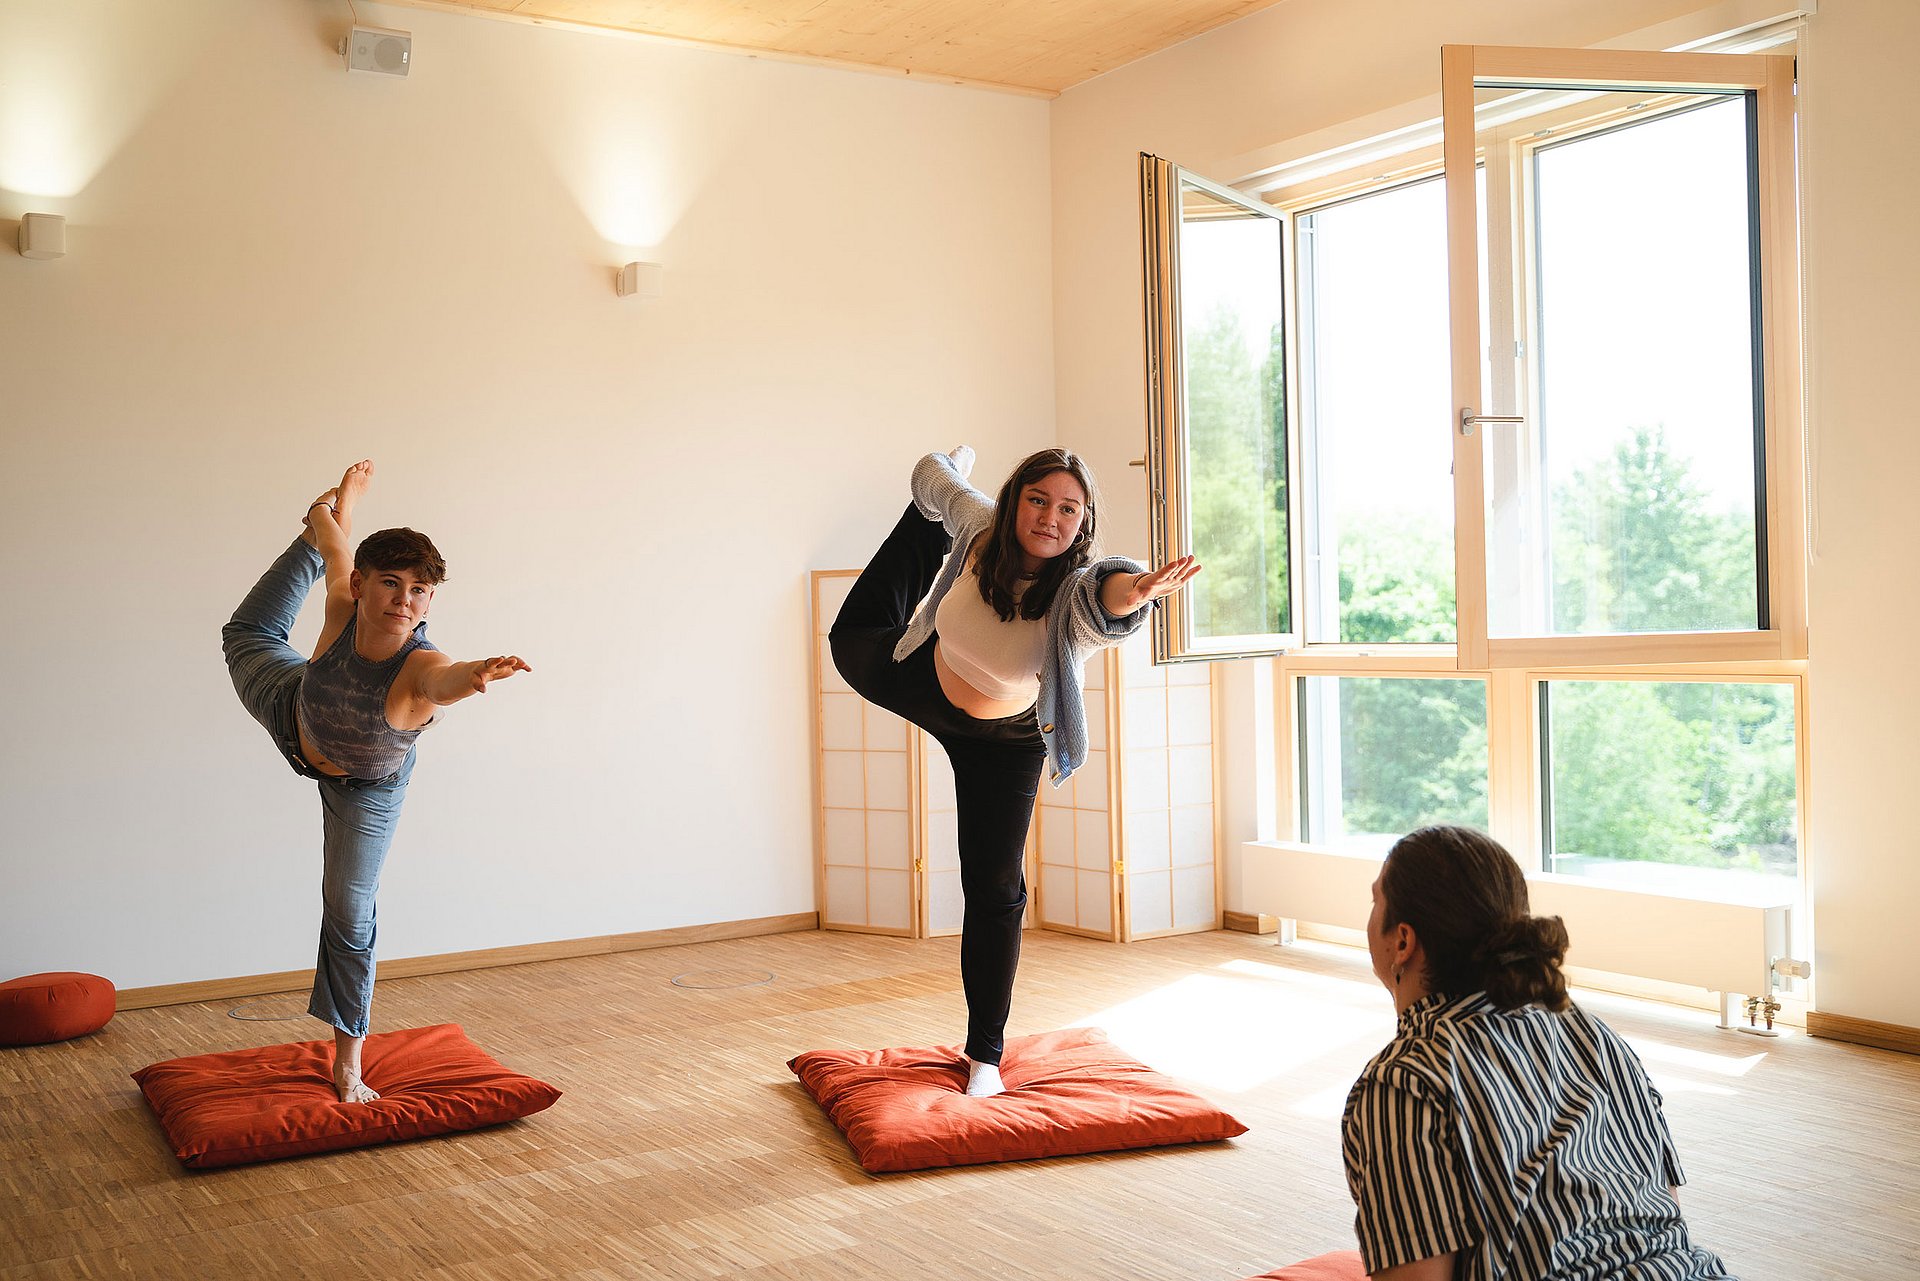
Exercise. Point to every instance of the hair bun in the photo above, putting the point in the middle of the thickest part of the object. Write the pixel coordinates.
(1520, 962)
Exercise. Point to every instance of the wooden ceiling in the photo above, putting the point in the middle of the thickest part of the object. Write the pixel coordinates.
(1030, 46)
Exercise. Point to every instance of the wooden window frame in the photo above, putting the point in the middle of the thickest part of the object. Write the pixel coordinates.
(1771, 79)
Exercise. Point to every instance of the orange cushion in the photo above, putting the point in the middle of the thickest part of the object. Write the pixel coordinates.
(278, 1100)
(1342, 1265)
(1067, 1092)
(53, 1007)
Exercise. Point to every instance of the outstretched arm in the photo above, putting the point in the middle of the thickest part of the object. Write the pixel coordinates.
(1121, 594)
(446, 683)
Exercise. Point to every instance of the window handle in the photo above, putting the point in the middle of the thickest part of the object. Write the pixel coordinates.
(1469, 419)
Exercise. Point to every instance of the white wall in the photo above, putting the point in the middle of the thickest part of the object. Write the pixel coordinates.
(1861, 101)
(1236, 95)
(276, 267)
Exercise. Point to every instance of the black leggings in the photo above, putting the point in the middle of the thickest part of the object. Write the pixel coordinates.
(996, 764)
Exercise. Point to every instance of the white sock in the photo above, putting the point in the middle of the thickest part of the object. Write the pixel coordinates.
(962, 456)
(983, 1080)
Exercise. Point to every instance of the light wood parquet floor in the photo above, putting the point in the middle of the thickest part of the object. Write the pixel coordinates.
(683, 1147)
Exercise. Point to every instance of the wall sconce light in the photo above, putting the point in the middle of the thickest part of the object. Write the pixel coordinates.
(43, 236)
(640, 280)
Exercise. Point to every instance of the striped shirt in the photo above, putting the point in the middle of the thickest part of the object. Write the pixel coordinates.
(1528, 1143)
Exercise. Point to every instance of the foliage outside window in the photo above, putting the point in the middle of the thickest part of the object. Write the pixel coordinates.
(1609, 678)
(1678, 786)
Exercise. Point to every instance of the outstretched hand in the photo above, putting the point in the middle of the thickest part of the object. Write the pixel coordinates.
(1144, 589)
(496, 669)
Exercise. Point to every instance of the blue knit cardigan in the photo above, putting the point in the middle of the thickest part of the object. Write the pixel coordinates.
(1077, 625)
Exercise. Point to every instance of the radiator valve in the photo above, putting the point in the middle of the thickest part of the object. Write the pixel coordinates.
(1759, 1007)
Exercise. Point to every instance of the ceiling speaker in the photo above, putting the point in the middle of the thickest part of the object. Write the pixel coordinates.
(378, 49)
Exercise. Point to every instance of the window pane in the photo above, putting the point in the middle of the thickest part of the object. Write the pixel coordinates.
(1381, 756)
(1378, 452)
(1627, 502)
(1236, 459)
(1673, 786)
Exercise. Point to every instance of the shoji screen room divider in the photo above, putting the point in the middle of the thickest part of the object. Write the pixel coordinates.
(1127, 849)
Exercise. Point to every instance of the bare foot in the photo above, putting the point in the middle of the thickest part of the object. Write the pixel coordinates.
(352, 485)
(354, 1090)
(330, 499)
(346, 1069)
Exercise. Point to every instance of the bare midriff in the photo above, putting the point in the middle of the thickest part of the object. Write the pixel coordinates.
(970, 700)
(314, 758)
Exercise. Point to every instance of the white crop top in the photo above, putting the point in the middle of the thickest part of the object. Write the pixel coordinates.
(1000, 659)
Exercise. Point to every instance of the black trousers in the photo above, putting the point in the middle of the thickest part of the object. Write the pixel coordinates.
(996, 764)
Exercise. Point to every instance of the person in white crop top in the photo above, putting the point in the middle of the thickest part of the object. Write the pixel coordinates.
(983, 648)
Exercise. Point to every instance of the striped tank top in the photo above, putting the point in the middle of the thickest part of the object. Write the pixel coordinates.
(343, 707)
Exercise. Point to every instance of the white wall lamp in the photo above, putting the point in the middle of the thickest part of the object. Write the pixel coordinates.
(43, 236)
(640, 280)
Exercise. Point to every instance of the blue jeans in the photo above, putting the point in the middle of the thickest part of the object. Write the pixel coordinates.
(358, 816)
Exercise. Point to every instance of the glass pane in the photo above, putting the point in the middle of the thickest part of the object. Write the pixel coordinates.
(1381, 756)
(1673, 786)
(1235, 376)
(1377, 450)
(1627, 501)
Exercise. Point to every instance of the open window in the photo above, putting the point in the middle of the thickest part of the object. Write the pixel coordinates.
(1537, 539)
(1218, 445)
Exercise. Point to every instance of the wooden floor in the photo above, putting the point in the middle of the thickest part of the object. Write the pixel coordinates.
(684, 1148)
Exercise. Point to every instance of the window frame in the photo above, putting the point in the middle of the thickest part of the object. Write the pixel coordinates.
(1770, 78)
(1170, 522)
(1514, 670)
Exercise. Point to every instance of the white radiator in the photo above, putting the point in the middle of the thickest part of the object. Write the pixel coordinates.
(1724, 947)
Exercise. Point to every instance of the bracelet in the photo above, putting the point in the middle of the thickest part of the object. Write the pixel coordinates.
(321, 502)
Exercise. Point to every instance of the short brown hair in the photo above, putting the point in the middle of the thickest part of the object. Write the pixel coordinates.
(402, 548)
(1466, 900)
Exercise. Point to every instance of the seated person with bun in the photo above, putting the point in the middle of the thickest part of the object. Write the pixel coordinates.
(1503, 1132)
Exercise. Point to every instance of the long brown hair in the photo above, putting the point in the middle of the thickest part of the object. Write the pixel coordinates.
(999, 562)
(1466, 900)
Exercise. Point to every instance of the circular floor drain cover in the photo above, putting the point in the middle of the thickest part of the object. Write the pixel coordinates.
(722, 978)
(275, 1009)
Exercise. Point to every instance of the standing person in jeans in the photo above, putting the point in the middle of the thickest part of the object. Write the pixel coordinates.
(984, 649)
(348, 719)
(1504, 1132)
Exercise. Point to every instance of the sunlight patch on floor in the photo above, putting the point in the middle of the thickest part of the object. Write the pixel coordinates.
(1676, 1056)
(1235, 1033)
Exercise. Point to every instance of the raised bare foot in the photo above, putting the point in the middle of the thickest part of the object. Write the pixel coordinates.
(353, 484)
(330, 499)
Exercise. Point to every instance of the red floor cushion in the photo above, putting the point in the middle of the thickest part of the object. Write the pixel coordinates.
(41, 1008)
(1342, 1265)
(1067, 1092)
(278, 1100)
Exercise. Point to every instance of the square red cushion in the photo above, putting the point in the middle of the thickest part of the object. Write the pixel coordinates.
(1342, 1265)
(278, 1100)
(1067, 1092)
